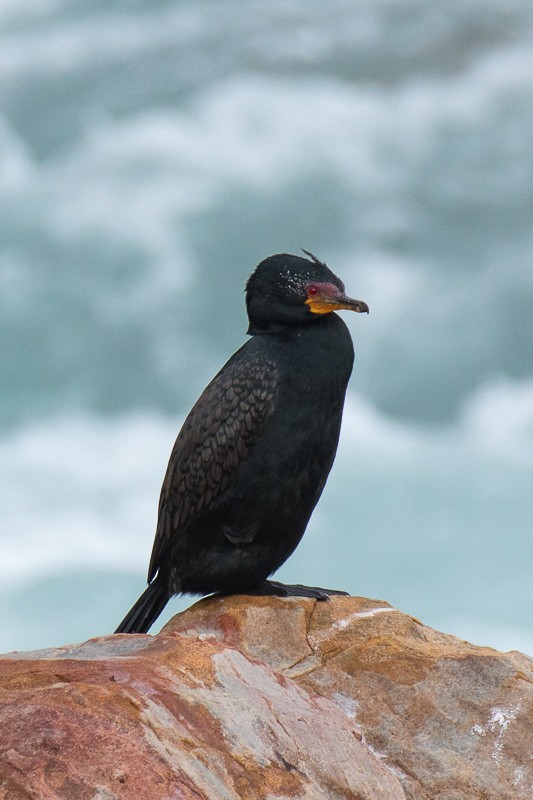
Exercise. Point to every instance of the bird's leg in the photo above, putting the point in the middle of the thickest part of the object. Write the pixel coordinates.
(276, 589)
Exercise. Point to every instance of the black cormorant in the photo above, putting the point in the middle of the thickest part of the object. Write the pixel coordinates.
(252, 457)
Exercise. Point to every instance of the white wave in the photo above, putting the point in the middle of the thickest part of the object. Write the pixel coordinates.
(139, 180)
(274, 33)
(80, 41)
(81, 492)
(263, 131)
(494, 423)
(498, 421)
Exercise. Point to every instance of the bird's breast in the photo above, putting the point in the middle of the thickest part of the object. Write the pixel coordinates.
(290, 462)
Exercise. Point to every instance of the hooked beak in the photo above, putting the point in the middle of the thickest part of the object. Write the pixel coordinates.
(352, 305)
(324, 305)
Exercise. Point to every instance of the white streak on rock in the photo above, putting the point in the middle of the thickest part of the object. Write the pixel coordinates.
(343, 623)
(499, 721)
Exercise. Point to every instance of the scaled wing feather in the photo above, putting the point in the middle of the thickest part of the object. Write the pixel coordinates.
(218, 434)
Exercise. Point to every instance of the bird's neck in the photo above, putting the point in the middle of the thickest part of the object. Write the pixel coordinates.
(320, 347)
(292, 329)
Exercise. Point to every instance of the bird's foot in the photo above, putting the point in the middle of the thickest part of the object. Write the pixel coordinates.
(276, 589)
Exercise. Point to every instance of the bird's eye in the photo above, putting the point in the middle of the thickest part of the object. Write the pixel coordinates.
(312, 291)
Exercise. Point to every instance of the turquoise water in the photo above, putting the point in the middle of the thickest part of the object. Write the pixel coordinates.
(151, 154)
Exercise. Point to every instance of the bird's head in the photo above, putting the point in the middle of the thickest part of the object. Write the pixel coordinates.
(286, 289)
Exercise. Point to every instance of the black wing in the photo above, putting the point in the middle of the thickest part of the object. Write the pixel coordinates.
(217, 435)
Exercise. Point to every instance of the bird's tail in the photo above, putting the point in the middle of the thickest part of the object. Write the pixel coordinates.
(146, 610)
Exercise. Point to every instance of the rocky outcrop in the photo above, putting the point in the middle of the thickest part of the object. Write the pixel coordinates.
(269, 698)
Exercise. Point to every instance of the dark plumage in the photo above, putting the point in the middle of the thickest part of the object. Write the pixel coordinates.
(252, 457)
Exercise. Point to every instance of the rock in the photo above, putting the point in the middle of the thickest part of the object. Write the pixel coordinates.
(269, 698)
(452, 721)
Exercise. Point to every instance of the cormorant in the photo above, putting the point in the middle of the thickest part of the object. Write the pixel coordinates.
(252, 457)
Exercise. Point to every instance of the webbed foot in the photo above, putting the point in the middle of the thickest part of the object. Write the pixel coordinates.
(276, 589)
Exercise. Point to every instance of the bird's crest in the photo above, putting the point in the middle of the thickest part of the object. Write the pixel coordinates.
(314, 258)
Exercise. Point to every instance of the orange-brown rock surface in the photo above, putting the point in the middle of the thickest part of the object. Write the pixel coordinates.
(272, 699)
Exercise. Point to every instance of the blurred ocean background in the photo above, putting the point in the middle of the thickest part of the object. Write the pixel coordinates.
(151, 153)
